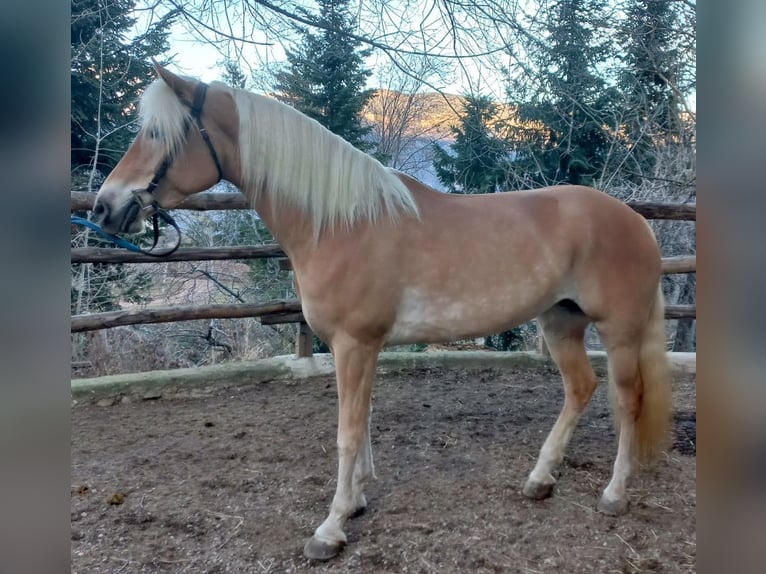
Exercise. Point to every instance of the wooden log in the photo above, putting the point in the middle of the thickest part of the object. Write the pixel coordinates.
(542, 344)
(680, 311)
(82, 201)
(679, 264)
(147, 315)
(81, 364)
(112, 255)
(210, 201)
(655, 210)
(282, 318)
(277, 312)
(304, 341)
(206, 201)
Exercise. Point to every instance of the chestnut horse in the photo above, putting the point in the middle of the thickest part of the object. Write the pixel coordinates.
(380, 258)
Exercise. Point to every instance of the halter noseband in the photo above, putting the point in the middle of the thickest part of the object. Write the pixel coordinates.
(158, 213)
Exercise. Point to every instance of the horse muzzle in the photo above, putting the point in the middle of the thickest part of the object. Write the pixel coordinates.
(129, 219)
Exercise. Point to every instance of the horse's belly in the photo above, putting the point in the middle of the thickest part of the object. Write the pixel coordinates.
(441, 318)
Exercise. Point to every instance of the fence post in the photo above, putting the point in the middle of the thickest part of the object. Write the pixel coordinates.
(304, 341)
(542, 346)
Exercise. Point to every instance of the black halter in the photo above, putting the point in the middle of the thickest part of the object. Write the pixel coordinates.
(157, 212)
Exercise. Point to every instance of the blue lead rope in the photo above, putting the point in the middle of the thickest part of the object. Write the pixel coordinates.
(119, 241)
(124, 243)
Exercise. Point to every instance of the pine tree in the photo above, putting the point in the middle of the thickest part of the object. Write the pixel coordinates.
(108, 73)
(659, 138)
(649, 80)
(233, 74)
(570, 105)
(478, 161)
(326, 77)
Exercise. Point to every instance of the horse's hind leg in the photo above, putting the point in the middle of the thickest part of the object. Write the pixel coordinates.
(355, 369)
(564, 328)
(623, 372)
(639, 380)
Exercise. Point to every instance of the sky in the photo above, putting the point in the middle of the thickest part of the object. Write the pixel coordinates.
(204, 61)
(194, 57)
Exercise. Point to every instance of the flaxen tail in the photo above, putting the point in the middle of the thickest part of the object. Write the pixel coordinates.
(654, 387)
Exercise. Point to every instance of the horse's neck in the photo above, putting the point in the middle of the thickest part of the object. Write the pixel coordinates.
(290, 227)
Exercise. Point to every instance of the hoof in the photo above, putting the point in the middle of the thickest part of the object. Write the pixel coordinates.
(358, 512)
(319, 550)
(537, 490)
(615, 507)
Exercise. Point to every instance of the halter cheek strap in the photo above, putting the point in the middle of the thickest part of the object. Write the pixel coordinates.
(196, 112)
(198, 102)
(158, 213)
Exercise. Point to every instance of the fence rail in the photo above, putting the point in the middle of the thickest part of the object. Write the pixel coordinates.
(272, 313)
(678, 264)
(146, 315)
(116, 255)
(214, 201)
(288, 311)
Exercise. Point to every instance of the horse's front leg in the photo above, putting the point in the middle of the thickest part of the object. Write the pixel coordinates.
(364, 470)
(355, 370)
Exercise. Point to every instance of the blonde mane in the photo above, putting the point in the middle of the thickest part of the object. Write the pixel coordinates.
(163, 114)
(298, 162)
(290, 157)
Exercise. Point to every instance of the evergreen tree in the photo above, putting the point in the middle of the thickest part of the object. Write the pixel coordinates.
(570, 105)
(650, 79)
(108, 73)
(233, 75)
(109, 70)
(659, 137)
(479, 159)
(326, 77)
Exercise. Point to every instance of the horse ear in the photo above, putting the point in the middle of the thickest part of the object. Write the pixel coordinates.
(183, 88)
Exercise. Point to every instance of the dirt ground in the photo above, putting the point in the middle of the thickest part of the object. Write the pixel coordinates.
(234, 480)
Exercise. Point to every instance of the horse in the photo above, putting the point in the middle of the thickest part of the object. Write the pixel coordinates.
(380, 259)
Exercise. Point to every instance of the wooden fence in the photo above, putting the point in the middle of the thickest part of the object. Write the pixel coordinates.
(288, 311)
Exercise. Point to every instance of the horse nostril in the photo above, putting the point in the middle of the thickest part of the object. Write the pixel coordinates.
(99, 213)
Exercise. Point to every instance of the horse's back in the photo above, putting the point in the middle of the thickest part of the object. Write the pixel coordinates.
(544, 206)
(554, 220)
